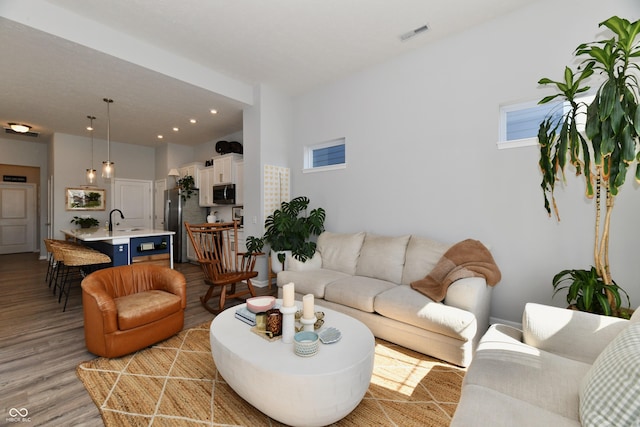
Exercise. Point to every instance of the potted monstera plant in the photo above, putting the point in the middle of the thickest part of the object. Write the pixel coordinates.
(602, 154)
(289, 229)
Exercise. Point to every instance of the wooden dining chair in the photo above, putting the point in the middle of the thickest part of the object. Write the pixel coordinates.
(216, 247)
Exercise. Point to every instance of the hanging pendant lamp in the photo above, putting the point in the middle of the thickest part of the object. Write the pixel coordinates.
(108, 167)
(91, 173)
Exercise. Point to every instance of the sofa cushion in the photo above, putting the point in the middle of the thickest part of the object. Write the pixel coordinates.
(145, 307)
(609, 392)
(339, 251)
(421, 256)
(508, 366)
(382, 257)
(356, 292)
(313, 263)
(310, 281)
(408, 306)
(481, 406)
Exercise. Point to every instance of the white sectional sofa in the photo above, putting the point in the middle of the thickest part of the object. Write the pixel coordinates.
(368, 277)
(565, 368)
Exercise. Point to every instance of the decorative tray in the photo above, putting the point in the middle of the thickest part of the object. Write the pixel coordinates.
(265, 335)
(329, 335)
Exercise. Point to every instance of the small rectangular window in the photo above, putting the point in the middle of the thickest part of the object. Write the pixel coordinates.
(519, 123)
(325, 156)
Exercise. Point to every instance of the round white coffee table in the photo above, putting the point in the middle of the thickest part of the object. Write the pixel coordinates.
(298, 391)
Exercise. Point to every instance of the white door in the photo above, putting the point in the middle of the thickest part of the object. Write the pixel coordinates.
(17, 218)
(133, 198)
(158, 204)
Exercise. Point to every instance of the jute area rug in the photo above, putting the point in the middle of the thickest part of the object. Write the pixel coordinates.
(175, 383)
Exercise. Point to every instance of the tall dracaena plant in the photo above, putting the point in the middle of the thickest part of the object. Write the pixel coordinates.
(609, 145)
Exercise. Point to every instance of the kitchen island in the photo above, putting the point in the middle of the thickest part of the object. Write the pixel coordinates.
(128, 245)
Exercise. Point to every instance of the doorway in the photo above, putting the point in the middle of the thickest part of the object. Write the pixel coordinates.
(18, 214)
(133, 198)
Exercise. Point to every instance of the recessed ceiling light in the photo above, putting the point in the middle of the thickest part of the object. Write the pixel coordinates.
(413, 33)
(160, 136)
(192, 120)
(176, 129)
(214, 111)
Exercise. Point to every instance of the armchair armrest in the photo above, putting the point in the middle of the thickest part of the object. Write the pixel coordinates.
(174, 282)
(471, 294)
(100, 310)
(574, 334)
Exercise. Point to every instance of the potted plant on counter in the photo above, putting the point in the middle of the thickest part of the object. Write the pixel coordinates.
(85, 222)
(289, 229)
(602, 154)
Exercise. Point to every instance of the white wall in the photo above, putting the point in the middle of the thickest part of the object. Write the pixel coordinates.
(421, 136)
(71, 156)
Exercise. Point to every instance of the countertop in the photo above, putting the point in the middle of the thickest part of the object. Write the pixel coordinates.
(119, 234)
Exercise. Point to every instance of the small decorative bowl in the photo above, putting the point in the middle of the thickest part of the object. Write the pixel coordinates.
(306, 343)
(259, 304)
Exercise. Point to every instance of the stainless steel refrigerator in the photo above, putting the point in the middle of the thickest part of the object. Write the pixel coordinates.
(176, 212)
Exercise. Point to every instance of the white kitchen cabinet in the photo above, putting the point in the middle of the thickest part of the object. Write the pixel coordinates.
(191, 252)
(224, 166)
(193, 170)
(205, 195)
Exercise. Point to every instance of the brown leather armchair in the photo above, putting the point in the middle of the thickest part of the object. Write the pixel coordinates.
(130, 307)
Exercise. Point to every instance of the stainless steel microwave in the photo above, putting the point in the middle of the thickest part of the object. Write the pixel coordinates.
(224, 194)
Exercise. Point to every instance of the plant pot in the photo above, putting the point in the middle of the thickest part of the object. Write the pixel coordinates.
(276, 265)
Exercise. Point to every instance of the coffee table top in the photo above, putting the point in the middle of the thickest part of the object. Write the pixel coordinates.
(357, 344)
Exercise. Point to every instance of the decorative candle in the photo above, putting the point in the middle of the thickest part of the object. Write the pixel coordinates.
(307, 306)
(287, 295)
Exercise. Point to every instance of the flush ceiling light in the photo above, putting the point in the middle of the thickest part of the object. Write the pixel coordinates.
(160, 136)
(192, 121)
(176, 129)
(213, 111)
(91, 173)
(108, 167)
(19, 127)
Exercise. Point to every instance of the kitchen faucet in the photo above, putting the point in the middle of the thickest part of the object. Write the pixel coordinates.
(111, 220)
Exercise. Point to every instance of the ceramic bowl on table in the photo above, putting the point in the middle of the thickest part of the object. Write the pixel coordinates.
(306, 343)
(260, 304)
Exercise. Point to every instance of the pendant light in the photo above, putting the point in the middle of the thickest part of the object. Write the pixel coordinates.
(108, 167)
(91, 173)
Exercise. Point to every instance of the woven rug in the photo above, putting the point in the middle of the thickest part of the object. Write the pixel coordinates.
(175, 383)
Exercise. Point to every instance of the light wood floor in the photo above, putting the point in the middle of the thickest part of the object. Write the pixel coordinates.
(40, 346)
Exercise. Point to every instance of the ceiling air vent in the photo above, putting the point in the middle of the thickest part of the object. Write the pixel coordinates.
(413, 33)
(13, 132)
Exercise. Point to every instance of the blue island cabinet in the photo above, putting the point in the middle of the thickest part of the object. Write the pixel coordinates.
(151, 250)
(128, 246)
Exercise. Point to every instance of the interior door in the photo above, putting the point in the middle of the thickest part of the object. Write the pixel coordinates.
(158, 204)
(17, 218)
(133, 198)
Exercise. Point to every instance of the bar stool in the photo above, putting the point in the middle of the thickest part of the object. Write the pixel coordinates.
(78, 262)
(51, 268)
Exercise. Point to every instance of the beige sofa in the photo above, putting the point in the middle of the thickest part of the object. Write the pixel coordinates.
(565, 368)
(368, 277)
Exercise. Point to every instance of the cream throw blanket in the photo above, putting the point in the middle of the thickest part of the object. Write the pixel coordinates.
(468, 258)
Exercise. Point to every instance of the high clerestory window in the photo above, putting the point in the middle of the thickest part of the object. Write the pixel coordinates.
(325, 156)
(519, 122)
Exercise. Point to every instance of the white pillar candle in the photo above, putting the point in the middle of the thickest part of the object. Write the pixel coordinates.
(287, 295)
(307, 306)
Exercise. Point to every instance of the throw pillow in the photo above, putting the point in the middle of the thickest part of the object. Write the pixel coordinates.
(610, 391)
